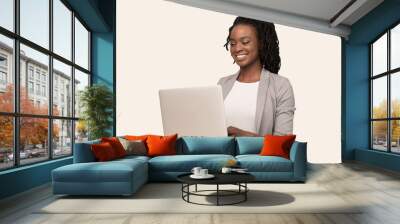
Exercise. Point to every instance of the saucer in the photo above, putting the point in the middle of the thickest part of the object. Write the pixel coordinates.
(208, 176)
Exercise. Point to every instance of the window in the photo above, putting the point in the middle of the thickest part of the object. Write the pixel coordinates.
(385, 91)
(37, 89)
(6, 74)
(62, 74)
(30, 72)
(6, 142)
(3, 78)
(37, 75)
(45, 131)
(7, 14)
(62, 29)
(30, 87)
(35, 21)
(81, 45)
(3, 61)
(43, 90)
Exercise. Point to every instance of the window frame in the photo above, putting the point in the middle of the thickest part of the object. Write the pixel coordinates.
(388, 74)
(15, 72)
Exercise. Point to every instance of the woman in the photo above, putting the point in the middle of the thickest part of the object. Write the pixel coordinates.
(257, 100)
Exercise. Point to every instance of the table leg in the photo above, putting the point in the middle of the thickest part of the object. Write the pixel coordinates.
(245, 193)
(188, 190)
(217, 194)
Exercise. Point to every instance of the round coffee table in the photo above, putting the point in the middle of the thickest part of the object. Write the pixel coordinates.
(238, 179)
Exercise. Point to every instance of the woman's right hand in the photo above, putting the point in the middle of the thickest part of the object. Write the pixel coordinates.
(233, 131)
(236, 132)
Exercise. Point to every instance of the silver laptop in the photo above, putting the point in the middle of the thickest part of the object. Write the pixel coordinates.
(195, 111)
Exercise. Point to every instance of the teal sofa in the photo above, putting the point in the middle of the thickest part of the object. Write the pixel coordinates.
(125, 176)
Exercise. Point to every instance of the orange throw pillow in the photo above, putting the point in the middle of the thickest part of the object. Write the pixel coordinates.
(135, 138)
(277, 145)
(161, 145)
(103, 151)
(116, 145)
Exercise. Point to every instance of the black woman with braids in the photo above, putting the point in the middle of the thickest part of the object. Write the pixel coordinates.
(257, 100)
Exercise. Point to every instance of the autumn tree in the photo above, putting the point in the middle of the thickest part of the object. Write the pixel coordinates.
(380, 127)
(33, 131)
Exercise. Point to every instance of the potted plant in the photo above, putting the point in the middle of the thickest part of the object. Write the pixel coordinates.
(96, 102)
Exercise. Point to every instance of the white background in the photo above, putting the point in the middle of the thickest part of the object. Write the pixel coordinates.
(163, 45)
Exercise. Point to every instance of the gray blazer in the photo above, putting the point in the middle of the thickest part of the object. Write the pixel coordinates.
(275, 102)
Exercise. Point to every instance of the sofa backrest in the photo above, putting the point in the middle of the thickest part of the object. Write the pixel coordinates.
(192, 145)
(83, 152)
(249, 145)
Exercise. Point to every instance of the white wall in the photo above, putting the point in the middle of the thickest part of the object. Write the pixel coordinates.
(162, 45)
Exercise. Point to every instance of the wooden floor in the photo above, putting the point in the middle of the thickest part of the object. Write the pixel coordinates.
(354, 182)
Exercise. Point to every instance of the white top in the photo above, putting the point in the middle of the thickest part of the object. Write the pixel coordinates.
(240, 106)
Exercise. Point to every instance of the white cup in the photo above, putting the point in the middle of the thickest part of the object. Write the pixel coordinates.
(196, 171)
(203, 172)
(226, 170)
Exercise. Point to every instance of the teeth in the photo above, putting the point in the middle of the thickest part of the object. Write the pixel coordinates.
(240, 56)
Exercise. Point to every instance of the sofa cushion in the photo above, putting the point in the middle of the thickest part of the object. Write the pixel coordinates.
(103, 152)
(249, 145)
(111, 171)
(193, 145)
(185, 163)
(134, 147)
(116, 145)
(257, 163)
(161, 145)
(277, 145)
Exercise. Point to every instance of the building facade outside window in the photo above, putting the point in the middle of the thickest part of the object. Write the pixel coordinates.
(58, 126)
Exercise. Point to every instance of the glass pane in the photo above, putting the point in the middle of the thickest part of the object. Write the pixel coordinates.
(7, 14)
(62, 138)
(62, 89)
(6, 142)
(379, 135)
(34, 97)
(81, 81)
(395, 47)
(81, 45)
(395, 136)
(62, 29)
(379, 98)
(33, 139)
(379, 55)
(395, 94)
(6, 74)
(81, 131)
(35, 21)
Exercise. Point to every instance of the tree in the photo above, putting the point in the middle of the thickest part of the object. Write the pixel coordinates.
(33, 131)
(380, 127)
(97, 104)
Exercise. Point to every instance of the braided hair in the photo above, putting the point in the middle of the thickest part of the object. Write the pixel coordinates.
(267, 38)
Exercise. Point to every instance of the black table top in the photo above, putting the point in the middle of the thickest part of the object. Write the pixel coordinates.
(220, 178)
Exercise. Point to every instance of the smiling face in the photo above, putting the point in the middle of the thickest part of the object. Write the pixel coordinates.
(243, 45)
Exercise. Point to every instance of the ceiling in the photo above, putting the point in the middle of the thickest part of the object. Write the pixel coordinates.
(326, 16)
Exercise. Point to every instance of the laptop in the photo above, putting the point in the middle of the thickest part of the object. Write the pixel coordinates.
(195, 111)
